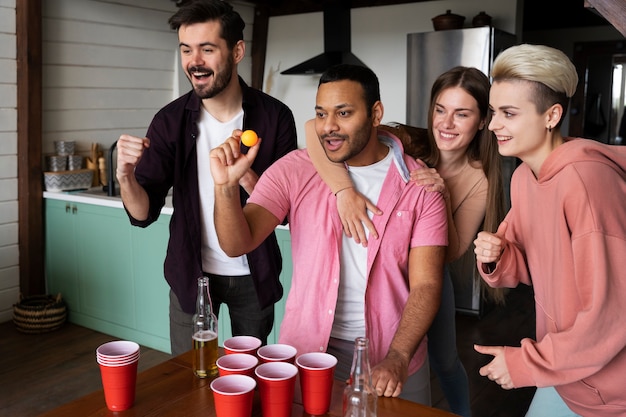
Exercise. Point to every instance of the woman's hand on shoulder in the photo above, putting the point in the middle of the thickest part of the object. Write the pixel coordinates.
(430, 179)
(352, 207)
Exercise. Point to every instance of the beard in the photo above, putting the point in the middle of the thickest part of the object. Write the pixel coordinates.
(220, 82)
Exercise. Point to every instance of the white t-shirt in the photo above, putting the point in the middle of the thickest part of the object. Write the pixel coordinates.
(211, 134)
(350, 310)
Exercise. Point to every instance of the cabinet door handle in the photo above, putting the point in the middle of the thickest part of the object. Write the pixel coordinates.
(67, 207)
(74, 209)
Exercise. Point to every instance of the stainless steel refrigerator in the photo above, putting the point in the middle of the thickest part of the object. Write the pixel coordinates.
(429, 55)
(432, 53)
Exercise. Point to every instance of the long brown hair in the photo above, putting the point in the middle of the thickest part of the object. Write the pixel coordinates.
(483, 149)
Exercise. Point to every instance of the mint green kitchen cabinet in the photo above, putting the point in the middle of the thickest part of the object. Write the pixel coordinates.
(60, 247)
(109, 273)
(284, 242)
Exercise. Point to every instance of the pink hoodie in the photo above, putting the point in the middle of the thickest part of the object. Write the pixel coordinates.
(567, 238)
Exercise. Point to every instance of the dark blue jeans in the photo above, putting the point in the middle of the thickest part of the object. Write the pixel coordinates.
(246, 316)
(443, 355)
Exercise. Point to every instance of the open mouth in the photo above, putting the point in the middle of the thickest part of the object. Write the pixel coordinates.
(333, 142)
(504, 138)
(200, 73)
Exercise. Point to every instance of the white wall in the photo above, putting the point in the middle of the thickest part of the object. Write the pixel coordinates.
(378, 39)
(9, 254)
(109, 66)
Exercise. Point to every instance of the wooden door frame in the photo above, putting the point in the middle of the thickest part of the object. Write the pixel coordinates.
(29, 147)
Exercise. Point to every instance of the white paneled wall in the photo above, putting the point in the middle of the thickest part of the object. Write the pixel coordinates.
(9, 254)
(109, 66)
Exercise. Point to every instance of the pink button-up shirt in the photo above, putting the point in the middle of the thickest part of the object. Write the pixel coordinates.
(411, 217)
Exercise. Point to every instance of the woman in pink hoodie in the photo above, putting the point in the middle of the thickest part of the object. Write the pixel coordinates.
(565, 235)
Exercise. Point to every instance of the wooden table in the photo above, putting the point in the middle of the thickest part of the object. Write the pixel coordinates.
(171, 389)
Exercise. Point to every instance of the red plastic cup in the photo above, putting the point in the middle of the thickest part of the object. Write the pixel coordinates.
(276, 386)
(277, 353)
(119, 383)
(242, 344)
(118, 361)
(117, 349)
(317, 370)
(233, 395)
(237, 364)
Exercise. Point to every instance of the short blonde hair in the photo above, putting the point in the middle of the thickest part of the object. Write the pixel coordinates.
(549, 71)
(538, 63)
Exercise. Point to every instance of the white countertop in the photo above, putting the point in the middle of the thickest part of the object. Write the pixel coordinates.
(98, 197)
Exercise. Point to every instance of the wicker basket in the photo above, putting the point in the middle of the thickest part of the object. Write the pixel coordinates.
(39, 313)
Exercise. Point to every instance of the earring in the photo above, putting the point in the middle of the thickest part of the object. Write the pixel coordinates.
(550, 128)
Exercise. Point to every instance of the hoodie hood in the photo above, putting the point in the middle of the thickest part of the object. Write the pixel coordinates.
(578, 150)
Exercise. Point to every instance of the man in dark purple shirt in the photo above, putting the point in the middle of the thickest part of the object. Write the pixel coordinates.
(174, 155)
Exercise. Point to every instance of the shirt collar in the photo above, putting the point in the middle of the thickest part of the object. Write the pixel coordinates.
(396, 147)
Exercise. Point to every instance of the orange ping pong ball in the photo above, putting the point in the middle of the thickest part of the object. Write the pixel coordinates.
(249, 138)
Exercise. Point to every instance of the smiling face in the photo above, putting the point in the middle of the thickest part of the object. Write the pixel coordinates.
(456, 119)
(206, 59)
(520, 129)
(342, 123)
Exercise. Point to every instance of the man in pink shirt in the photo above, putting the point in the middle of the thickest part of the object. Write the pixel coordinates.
(388, 291)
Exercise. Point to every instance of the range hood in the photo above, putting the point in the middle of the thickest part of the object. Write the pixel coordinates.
(337, 43)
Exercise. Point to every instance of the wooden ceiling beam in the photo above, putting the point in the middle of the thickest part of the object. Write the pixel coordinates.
(614, 11)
